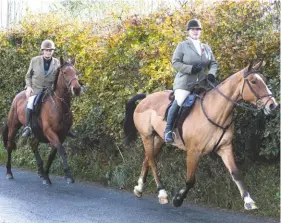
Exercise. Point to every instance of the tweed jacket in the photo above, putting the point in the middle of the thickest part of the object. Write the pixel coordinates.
(184, 57)
(35, 76)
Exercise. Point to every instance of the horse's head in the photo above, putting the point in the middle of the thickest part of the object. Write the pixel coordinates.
(69, 76)
(255, 90)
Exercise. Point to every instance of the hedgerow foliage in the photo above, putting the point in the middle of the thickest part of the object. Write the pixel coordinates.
(135, 56)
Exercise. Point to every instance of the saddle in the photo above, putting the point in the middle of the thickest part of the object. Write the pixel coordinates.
(185, 109)
(34, 120)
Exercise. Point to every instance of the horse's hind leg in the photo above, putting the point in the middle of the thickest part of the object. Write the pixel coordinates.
(226, 153)
(138, 190)
(11, 145)
(192, 160)
(152, 146)
(40, 168)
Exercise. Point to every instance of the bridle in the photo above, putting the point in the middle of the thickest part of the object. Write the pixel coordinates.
(67, 84)
(258, 98)
(245, 80)
(224, 128)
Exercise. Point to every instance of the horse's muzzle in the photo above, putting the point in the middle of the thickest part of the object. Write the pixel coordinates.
(271, 106)
(76, 91)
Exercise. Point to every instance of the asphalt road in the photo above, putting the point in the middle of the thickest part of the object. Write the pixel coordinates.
(26, 200)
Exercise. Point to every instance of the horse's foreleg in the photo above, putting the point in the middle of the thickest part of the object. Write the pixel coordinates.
(152, 146)
(192, 160)
(40, 168)
(54, 140)
(226, 153)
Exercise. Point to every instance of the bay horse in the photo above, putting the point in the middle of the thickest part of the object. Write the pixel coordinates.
(208, 125)
(55, 120)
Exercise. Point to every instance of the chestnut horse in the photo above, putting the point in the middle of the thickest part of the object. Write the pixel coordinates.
(202, 130)
(55, 120)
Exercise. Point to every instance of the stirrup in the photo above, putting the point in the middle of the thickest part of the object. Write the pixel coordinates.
(173, 136)
(26, 131)
(71, 134)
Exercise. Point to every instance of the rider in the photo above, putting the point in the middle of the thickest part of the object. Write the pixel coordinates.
(40, 75)
(194, 62)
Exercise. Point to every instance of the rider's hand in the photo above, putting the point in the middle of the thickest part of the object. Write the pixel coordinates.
(196, 68)
(28, 92)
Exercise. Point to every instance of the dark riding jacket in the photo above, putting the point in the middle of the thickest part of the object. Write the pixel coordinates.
(35, 76)
(184, 57)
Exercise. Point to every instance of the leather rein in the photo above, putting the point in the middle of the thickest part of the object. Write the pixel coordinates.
(224, 128)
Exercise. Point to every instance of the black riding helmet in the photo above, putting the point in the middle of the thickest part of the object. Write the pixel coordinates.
(193, 23)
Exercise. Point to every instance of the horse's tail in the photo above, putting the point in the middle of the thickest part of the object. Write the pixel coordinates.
(129, 125)
(5, 135)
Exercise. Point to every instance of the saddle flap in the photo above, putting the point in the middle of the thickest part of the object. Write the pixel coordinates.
(38, 102)
(189, 101)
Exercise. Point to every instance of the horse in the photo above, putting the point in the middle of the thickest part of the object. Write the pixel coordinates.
(209, 125)
(54, 120)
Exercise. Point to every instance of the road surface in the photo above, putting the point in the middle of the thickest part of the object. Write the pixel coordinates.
(26, 200)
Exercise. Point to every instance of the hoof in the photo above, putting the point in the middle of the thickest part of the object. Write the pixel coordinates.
(40, 174)
(47, 182)
(177, 200)
(9, 176)
(69, 180)
(163, 200)
(250, 206)
(137, 192)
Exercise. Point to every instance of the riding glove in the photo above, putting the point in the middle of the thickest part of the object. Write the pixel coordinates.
(211, 78)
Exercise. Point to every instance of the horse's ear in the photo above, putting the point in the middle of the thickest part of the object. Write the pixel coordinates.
(61, 61)
(259, 65)
(250, 67)
(73, 61)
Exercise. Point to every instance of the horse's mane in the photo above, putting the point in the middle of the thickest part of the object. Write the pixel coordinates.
(252, 71)
(56, 80)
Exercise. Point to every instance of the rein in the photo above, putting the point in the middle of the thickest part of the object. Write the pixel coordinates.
(51, 93)
(224, 129)
(67, 84)
(235, 103)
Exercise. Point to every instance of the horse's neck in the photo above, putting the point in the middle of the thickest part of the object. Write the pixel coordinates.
(62, 98)
(218, 107)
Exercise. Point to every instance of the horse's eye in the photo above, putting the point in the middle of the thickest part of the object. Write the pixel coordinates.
(253, 81)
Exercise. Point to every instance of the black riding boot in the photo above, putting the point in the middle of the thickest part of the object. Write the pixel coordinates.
(172, 114)
(27, 129)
